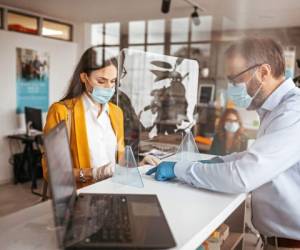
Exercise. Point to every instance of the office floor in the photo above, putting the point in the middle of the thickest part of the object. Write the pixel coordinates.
(17, 197)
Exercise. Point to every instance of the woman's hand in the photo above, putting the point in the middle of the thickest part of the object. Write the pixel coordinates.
(103, 172)
(150, 160)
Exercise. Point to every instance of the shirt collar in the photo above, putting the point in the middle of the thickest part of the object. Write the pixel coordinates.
(91, 106)
(275, 98)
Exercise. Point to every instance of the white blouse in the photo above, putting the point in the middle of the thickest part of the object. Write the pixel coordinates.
(102, 140)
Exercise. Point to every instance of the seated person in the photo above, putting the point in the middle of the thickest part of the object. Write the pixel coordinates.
(230, 135)
(95, 124)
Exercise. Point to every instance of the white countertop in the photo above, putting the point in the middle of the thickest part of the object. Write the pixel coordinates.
(192, 214)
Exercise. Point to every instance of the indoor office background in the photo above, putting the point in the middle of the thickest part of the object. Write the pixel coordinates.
(193, 29)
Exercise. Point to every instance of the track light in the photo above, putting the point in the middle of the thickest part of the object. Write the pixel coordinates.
(165, 6)
(195, 16)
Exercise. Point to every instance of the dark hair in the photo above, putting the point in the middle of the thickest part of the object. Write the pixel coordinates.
(221, 129)
(88, 62)
(259, 51)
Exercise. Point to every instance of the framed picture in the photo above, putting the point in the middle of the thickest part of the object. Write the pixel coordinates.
(206, 93)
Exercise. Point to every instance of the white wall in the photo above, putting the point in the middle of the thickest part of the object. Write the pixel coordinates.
(63, 57)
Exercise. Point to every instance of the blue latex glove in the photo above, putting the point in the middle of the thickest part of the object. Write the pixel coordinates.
(163, 171)
(213, 160)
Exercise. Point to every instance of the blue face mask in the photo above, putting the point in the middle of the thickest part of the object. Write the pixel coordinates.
(102, 95)
(239, 95)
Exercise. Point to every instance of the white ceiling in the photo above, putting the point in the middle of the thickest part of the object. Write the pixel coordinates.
(242, 14)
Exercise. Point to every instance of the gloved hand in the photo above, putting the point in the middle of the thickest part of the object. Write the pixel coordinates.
(150, 159)
(164, 171)
(213, 160)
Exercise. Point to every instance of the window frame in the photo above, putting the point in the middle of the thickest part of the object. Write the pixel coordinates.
(57, 22)
(26, 15)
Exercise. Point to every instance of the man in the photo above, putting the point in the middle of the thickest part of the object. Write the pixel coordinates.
(270, 168)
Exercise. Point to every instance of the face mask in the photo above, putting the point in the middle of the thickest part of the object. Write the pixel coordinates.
(231, 126)
(102, 95)
(239, 95)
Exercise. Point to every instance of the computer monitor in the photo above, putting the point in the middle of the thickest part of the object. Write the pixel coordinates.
(34, 116)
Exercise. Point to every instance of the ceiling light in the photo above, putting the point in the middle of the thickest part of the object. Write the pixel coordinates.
(165, 6)
(195, 17)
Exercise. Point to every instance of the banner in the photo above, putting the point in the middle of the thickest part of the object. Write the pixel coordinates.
(32, 80)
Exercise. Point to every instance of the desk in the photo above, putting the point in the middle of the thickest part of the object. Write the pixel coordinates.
(192, 214)
(27, 155)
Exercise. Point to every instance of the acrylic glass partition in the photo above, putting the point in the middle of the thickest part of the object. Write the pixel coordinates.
(188, 149)
(158, 95)
(126, 171)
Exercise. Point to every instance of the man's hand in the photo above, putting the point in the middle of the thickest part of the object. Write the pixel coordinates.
(164, 171)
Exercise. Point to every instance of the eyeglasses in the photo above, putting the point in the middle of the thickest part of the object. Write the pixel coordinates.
(232, 78)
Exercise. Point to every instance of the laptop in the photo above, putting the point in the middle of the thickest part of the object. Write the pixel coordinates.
(99, 221)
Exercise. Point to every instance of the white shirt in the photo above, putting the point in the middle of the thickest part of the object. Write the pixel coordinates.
(270, 168)
(102, 140)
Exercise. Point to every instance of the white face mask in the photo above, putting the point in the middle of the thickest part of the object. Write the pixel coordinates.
(231, 126)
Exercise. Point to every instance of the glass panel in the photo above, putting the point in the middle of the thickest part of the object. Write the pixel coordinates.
(137, 32)
(179, 30)
(180, 50)
(112, 33)
(202, 32)
(22, 23)
(56, 30)
(97, 34)
(156, 31)
(157, 95)
(111, 52)
(159, 49)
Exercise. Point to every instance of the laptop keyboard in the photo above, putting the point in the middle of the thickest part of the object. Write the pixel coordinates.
(116, 224)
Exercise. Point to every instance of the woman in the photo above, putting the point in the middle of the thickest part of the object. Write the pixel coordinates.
(95, 125)
(230, 135)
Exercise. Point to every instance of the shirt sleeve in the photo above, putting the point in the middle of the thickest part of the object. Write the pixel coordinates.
(271, 154)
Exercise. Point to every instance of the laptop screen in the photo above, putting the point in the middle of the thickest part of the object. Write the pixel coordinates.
(61, 178)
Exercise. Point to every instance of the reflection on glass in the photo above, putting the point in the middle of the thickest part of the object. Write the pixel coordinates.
(97, 34)
(201, 53)
(56, 30)
(156, 31)
(22, 23)
(202, 32)
(136, 32)
(158, 87)
(179, 29)
(180, 50)
(159, 49)
(112, 33)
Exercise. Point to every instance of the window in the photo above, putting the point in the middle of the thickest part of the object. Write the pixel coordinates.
(179, 29)
(137, 31)
(147, 35)
(107, 37)
(22, 22)
(57, 30)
